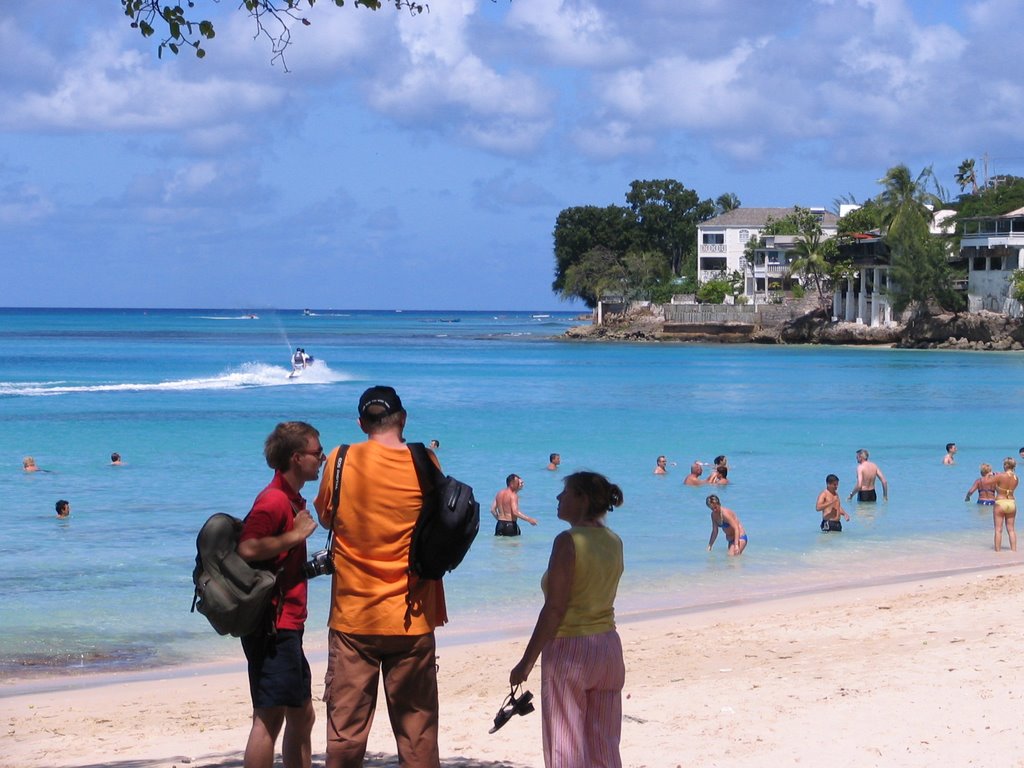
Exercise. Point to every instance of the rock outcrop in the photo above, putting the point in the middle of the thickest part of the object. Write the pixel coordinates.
(980, 331)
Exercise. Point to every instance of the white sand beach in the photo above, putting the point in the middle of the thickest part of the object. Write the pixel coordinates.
(921, 673)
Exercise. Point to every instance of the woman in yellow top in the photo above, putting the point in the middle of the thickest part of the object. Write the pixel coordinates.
(582, 673)
(1005, 510)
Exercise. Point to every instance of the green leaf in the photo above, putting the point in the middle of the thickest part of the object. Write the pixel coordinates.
(206, 29)
(174, 30)
(173, 47)
(200, 53)
(145, 29)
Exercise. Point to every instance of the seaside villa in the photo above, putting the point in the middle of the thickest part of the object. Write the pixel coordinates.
(993, 247)
(721, 242)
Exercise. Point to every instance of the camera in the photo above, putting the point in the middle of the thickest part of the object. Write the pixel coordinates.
(319, 564)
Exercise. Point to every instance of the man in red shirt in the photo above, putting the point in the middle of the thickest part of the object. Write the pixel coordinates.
(274, 537)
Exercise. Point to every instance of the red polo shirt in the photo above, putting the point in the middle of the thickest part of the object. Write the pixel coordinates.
(273, 513)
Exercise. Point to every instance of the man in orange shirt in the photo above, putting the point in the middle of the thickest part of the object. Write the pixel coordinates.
(382, 616)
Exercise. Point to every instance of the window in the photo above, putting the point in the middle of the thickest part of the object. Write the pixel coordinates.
(713, 264)
(978, 263)
(713, 238)
(996, 263)
(744, 235)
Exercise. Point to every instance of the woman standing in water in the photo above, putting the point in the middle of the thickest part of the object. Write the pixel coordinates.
(582, 673)
(725, 518)
(1004, 513)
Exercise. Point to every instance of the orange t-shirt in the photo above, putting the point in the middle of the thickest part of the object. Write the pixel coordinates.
(373, 591)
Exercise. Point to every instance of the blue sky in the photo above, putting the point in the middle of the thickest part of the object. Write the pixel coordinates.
(420, 162)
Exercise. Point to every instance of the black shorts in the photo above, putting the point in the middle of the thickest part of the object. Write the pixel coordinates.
(867, 495)
(507, 528)
(829, 526)
(279, 674)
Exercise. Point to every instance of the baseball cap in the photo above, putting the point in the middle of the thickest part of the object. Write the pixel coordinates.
(378, 402)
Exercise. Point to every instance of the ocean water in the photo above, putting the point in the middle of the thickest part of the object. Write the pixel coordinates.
(187, 397)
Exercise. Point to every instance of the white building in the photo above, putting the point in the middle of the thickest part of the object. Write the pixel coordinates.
(993, 247)
(721, 242)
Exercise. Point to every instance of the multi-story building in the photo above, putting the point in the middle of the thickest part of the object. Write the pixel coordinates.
(721, 243)
(993, 247)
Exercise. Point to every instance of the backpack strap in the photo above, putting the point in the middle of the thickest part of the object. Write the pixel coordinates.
(425, 468)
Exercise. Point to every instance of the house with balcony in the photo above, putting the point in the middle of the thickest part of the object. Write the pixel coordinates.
(721, 243)
(993, 248)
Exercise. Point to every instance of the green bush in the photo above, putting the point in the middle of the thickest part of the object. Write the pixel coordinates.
(798, 291)
(714, 292)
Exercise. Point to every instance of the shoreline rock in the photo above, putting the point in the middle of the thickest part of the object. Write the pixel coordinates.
(980, 331)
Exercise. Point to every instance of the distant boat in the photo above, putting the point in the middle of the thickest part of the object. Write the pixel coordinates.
(252, 316)
(540, 317)
(307, 312)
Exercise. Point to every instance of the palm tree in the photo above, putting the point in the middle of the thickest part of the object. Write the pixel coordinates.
(965, 175)
(810, 260)
(726, 202)
(906, 201)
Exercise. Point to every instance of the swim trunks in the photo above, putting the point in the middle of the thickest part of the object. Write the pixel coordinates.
(987, 502)
(506, 528)
(829, 526)
(867, 495)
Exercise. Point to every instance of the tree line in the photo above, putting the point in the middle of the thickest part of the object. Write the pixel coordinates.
(647, 249)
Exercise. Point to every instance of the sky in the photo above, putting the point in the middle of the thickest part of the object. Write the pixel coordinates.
(419, 162)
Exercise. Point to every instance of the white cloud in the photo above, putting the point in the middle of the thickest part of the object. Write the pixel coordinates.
(571, 32)
(22, 204)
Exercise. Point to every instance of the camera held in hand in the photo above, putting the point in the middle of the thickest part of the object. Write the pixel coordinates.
(319, 564)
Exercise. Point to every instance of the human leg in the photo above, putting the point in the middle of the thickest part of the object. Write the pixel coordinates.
(296, 746)
(280, 686)
(350, 691)
(410, 687)
(563, 703)
(259, 749)
(604, 702)
(1011, 529)
(997, 522)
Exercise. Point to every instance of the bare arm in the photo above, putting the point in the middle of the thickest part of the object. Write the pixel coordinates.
(714, 534)
(516, 513)
(561, 569)
(823, 502)
(975, 487)
(269, 547)
(885, 485)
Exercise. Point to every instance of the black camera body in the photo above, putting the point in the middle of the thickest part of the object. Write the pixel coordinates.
(319, 564)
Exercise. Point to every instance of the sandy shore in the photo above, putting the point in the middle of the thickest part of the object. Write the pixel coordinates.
(922, 673)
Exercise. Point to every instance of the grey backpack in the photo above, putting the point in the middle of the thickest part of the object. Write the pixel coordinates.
(230, 593)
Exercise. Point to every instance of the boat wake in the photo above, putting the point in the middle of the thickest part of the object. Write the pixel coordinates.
(247, 375)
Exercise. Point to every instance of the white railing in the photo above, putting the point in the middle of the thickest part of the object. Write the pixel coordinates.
(712, 248)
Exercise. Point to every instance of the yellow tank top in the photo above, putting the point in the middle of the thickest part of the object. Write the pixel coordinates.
(595, 581)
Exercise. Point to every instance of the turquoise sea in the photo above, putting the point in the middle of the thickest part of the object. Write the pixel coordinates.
(187, 397)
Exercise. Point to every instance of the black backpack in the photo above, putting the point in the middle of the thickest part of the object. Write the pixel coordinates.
(449, 519)
(448, 522)
(230, 593)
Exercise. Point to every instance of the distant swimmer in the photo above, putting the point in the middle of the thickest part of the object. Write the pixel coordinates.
(721, 461)
(696, 470)
(28, 464)
(831, 510)
(867, 472)
(725, 518)
(63, 507)
(115, 459)
(1004, 513)
(950, 453)
(505, 508)
(553, 461)
(660, 466)
(434, 445)
(719, 475)
(985, 486)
